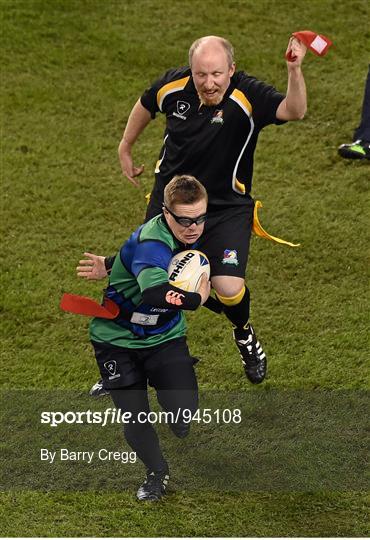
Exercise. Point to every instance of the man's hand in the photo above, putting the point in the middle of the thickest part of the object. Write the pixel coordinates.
(204, 288)
(92, 268)
(137, 121)
(296, 51)
(128, 168)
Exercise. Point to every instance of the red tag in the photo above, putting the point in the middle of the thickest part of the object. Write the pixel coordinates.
(82, 305)
(318, 43)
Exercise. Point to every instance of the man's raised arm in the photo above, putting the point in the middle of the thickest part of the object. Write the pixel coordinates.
(294, 106)
(138, 120)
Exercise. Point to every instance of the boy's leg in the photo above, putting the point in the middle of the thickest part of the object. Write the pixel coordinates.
(126, 380)
(143, 439)
(139, 433)
(171, 372)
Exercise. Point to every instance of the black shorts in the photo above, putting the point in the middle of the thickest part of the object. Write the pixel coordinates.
(121, 367)
(226, 238)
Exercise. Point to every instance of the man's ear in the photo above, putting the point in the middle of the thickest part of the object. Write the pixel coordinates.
(232, 69)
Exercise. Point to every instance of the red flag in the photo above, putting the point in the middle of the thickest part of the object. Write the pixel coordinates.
(318, 43)
(82, 305)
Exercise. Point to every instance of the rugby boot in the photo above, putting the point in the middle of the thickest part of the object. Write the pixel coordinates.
(356, 150)
(154, 486)
(98, 390)
(180, 429)
(253, 358)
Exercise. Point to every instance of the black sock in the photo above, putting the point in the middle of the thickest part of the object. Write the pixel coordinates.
(238, 315)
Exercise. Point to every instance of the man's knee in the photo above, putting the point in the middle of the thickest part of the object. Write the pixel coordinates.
(228, 289)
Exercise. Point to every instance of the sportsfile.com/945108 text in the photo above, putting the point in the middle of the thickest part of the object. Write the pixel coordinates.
(117, 416)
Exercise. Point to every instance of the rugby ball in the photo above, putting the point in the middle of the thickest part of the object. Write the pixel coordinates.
(186, 269)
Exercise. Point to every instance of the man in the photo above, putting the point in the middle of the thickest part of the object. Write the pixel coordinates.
(213, 117)
(146, 342)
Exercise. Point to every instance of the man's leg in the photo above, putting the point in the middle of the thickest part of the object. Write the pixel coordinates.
(360, 148)
(233, 293)
(363, 130)
(226, 244)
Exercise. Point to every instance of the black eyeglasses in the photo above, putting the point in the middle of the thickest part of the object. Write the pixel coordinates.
(186, 221)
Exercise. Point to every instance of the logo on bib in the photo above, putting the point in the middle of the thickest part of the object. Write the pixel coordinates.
(217, 118)
(230, 257)
(111, 366)
(182, 108)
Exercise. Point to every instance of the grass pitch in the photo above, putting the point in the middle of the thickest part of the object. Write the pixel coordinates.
(71, 71)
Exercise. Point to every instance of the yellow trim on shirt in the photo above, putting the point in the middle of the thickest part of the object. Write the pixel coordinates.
(239, 186)
(241, 99)
(174, 86)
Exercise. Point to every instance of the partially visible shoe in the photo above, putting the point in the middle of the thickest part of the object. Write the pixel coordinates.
(357, 150)
(181, 428)
(253, 358)
(154, 487)
(98, 390)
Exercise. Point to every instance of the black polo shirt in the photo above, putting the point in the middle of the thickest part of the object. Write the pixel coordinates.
(215, 144)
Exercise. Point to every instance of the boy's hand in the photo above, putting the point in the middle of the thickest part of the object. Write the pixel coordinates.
(204, 288)
(92, 268)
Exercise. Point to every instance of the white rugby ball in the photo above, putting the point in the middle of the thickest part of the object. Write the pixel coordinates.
(186, 269)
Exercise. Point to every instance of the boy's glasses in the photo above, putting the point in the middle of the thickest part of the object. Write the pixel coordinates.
(186, 221)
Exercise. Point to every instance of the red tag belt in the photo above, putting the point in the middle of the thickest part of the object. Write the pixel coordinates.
(82, 305)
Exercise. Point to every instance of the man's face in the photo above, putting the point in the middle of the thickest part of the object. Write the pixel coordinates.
(186, 235)
(211, 74)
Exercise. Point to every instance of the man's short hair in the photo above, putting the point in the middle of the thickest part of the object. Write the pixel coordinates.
(184, 189)
(229, 49)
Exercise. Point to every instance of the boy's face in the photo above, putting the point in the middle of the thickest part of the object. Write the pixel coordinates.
(190, 234)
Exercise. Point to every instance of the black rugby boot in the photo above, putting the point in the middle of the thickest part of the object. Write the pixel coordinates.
(355, 150)
(253, 358)
(154, 487)
(98, 390)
